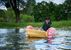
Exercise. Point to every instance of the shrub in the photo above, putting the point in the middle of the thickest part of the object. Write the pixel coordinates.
(26, 18)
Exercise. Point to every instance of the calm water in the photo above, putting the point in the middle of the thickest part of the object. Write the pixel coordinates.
(60, 42)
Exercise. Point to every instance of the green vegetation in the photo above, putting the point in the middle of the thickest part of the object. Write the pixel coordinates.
(34, 14)
(56, 24)
(26, 18)
(8, 25)
(37, 11)
(61, 24)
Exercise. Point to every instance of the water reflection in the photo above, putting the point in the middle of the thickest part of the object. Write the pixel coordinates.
(60, 42)
(8, 37)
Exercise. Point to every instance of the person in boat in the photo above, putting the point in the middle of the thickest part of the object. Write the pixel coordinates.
(47, 24)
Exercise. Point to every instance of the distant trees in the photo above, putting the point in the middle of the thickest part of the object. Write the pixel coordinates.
(67, 9)
(54, 11)
(43, 9)
(29, 6)
(40, 11)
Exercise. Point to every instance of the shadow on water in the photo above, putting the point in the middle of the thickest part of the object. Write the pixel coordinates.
(60, 42)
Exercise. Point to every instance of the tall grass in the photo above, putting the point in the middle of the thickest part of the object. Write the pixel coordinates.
(57, 24)
(60, 24)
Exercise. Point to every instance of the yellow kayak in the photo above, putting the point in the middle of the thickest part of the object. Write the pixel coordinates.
(36, 33)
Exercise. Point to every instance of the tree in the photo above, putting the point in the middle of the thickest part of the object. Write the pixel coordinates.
(43, 10)
(29, 6)
(14, 4)
(15, 7)
(51, 10)
(40, 11)
(67, 9)
(2, 16)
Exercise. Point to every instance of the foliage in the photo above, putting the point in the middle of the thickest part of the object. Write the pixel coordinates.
(67, 9)
(10, 16)
(54, 11)
(42, 10)
(29, 6)
(2, 16)
(26, 18)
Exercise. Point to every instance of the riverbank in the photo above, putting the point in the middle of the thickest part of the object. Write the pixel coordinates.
(56, 24)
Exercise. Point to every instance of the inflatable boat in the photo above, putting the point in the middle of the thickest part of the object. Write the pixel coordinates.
(36, 33)
(32, 32)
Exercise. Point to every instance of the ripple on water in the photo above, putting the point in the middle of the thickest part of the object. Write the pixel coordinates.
(38, 44)
(57, 42)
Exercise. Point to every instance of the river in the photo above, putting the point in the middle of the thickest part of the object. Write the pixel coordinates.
(60, 42)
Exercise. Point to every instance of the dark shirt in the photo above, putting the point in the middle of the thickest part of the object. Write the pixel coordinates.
(46, 26)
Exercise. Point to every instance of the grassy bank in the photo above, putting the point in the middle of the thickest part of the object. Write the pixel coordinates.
(57, 24)
(61, 24)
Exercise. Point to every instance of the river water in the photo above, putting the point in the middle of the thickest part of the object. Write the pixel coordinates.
(60, 42)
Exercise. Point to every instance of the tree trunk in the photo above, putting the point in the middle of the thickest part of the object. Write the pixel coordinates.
(15, 6)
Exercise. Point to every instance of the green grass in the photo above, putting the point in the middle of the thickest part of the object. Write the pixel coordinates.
(57, 24)
(8, 25)
(60, 24)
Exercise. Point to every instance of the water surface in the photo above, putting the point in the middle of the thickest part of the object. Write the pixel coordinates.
(58, 43)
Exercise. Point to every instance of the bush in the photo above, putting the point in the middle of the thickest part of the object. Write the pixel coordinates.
(10, 15)
(2, 16)
(26, 18)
